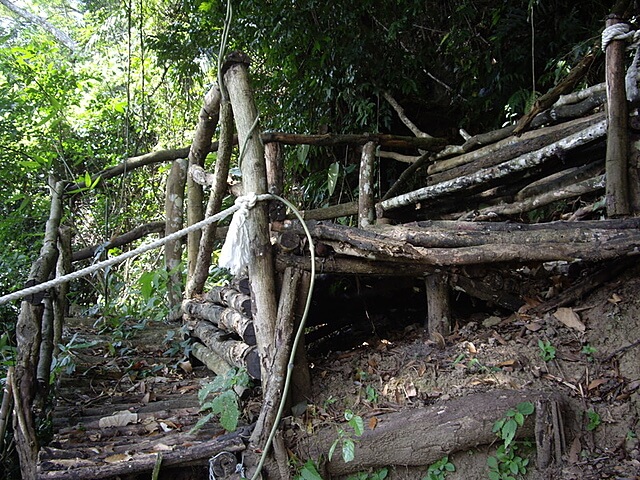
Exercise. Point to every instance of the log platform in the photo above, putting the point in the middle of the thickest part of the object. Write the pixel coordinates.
(120, 415)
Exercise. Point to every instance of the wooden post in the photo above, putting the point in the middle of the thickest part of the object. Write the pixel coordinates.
(617, 196)
(634, 173)
(254, 179)
(208, 120)
(438, 305)
(218, 191)
(61, 305)
(366, 204)
(28, 338)
(274, 157)
(174, 208)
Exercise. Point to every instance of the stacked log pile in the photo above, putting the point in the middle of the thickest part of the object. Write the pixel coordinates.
(222, 322)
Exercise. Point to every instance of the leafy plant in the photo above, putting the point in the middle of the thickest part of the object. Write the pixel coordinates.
(594, 420)
(440, 469)
(547, 351)
(345, 439)
(377, 475)
(589, 350)
(309, 471)
(372, 394)
(507, 464)
(225, 402)
(65, 360)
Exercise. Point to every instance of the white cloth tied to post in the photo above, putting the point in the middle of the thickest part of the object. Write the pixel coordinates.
(236, 252)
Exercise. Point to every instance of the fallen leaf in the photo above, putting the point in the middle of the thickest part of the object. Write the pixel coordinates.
(471, 348)
(161, 447)
(596, 383)
(439, 339)
(373, 422)
(118, 419)
(533, 326)
(491, 321)
(120, 457)
(615, 299)
(574, 451)
(186, 366)
(410, 390)
(570, 318)
(507, 363)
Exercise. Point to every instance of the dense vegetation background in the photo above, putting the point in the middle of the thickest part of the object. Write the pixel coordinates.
(126, 78)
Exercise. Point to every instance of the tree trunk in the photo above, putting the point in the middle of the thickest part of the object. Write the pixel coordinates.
(27, 396)
(617, 138)
(208, 120)
(366, 210)
(328, 140)
(254, 179)
(174, 211)
(419, 437)
(274, 157)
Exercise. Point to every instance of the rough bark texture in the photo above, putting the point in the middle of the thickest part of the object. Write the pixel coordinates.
(327, 140)
(227, 319)
(282, 348)
(212, 360)
(235, 353)
(617, 138)
(125, 238)
(423, 436)
(438, 319)
(174, 211)
(366, 209)
(28, 398)
(274, 158)
(499, 172)
(208, 120)
(261, 271)
(214, 205)
(231, 297)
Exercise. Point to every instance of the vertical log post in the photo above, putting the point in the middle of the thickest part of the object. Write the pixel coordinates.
(438, 305)
(366, 204)
(617, 195)
(634, 173)
(28, 339)
(274, 158)
(61, 306)
(200, 147)
(174, 212)
(198, 278)
(254, 179)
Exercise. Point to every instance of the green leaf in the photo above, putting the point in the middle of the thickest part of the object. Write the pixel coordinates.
(493, 475)
(87, 179)
(509, 432)
(450, 467)
(519, 418)
(333, 448)
(332, 177)
(357, 424)
(526, 408)
(226, 404)
(348, 450)
(309, 471)
(492, 462)
(303, 152)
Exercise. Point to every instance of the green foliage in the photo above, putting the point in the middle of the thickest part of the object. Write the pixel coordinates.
(594, 420)
(547, 351)
(588, 350)
(440, 469)
(346, 439)
(507, 464)
(309, 471)
(225, 402)
(65, 361)
(377, 475)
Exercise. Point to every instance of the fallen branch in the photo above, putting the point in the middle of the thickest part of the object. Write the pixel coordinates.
(591, 185)
(498, 172)
(403, 117)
